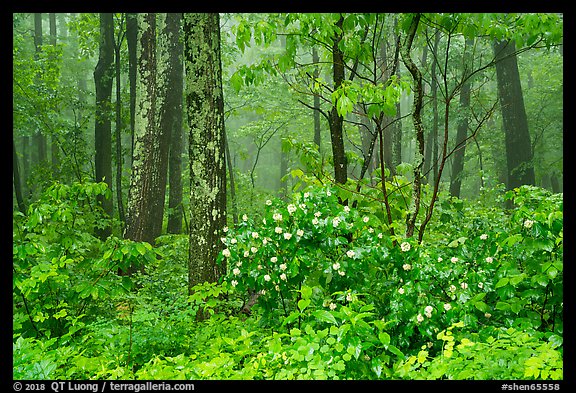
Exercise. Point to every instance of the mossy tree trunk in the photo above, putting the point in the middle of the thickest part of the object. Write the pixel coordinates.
(205, 109)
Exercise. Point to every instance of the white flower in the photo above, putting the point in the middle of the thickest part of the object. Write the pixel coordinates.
(264, 221)
(487, 315)
(528, 224)
(454, 259)
(480, 285)
(371, 230)
(365, 219)
(380, 235)
(341, 272)
(317, 214)
(267, 277)
(347, 209)
(315, 221)
(464, 285)
(406, 266)
(349, 297)
(225, 229)
(262, 292)
(283, 277)
(489, 259)
(233, 240)
(264, 241)
(405, 246)
(483, 236)
(401, 291)
(428, 311)
(273, 259)
(300, 232)
(268, 202)
(336, 266)
(255, 235)
(277, 216)
(328, 193)
(350, 253)
(335, 222)
(440, 259)
(278, 230)
(283, 266)
(332, 306)
(302, 206)
(236, 271)
(259, 267)
(239, 263)
(234, 283)
(246, 254)
(419, 318)
(253, 249)
(447, 306)
(277, 287)
(452, 288)
(226, 252)
(287, 236)
(291, 208)
(223, 240)
(306, 194)
(244, 217)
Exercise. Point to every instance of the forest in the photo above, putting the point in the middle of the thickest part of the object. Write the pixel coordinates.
(287, 196)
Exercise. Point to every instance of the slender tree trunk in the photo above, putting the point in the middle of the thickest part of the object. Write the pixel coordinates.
(39, 138)
(175, 159)
(118, 130)
(16, 179)
(336, 121)
(416, 116)
(132, 41)
(316, 113)
(520, 169)
(25, 165)
(54, 146)
(462, 132)
(232, 182)
(103, 75)
(283, 170)
(205, 109)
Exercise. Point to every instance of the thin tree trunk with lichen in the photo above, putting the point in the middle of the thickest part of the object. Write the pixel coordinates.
(205, 109)
(417, 120)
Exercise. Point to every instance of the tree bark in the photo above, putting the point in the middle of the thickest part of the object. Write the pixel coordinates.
(205, 110)
(103, 75)
(336, 121)
(176, 140)
(39, 138)
(118, 130)
(520, 169)
(132, 41)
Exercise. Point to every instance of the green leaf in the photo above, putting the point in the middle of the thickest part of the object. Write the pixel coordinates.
(306, 292)
(324, 316)
(384, 338)
(237, 81)
(503, 281)
(303, 303)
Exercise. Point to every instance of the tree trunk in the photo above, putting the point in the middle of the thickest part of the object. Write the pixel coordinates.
(132, 41)
(205, 109)
(462, 132)
(16, 179)
(316, 113)
(103, 75)
(175, 159)
(54, 146)
(431, 157)
(118, 131)
(336, 121)
(520, 169)
(150, 161)
(39, 138)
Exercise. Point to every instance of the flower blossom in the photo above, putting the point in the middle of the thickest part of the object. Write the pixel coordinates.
(287, 236)
(454, 259)
(406, 266)
(341, 272)
(489, 259)
(291, 208)
(267, 277)
(273, 259)
(253, 249)
(268, 202)
(332, 306)
(277, 217)
(350, 253)
(528, 224)
(405, 246)
(246, 254)
(428, 311)
(278, 230)
(419, 318)
(234, 283)
(347, 209)
(401, 291)
(233, 240)
(300, 232)
(336, 266)
(244, 217)
(464, 285)
(315, 221)
(236, 271)
(365, 219)
(226, 252)
(283, 267)
(483, 236)
(335, 221)
(317, 214)
(447, 306)
(255, 235)
(283, 277)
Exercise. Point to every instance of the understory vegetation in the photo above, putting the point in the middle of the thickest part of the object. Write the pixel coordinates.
(315, 289)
